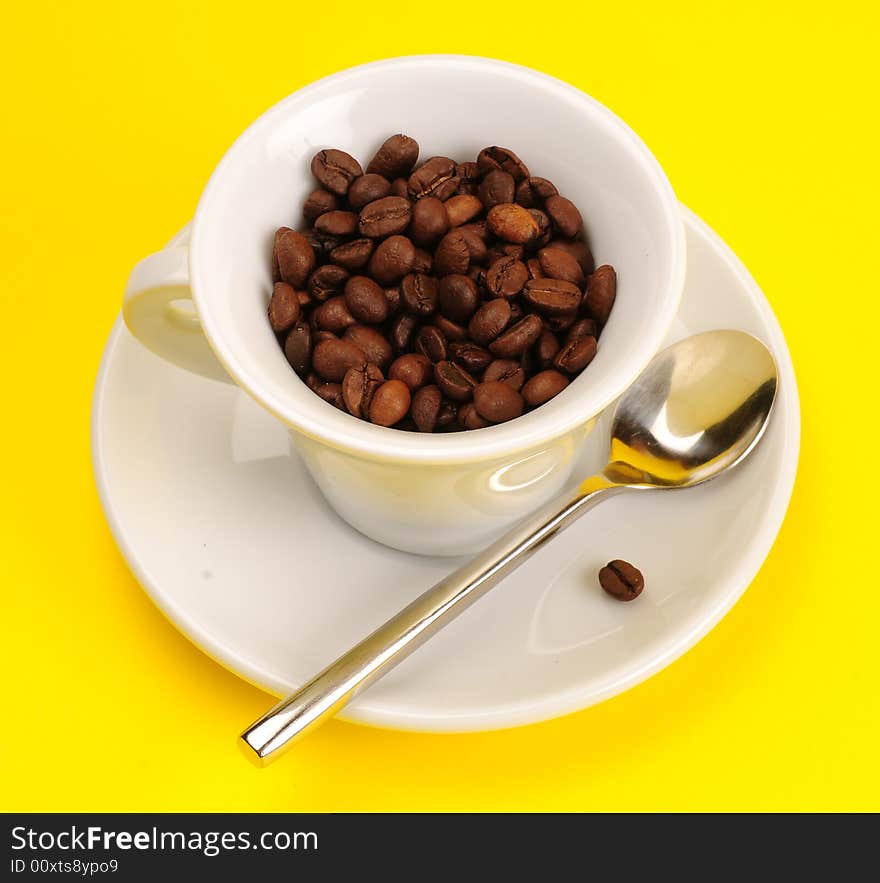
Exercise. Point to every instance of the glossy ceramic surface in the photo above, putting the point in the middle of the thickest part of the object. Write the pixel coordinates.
(372, 476)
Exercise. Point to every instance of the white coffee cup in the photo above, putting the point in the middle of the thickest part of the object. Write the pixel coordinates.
(443, 494)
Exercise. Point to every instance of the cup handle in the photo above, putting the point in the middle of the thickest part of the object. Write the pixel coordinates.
(157, 308)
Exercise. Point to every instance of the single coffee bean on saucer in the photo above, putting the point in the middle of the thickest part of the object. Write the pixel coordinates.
(621, 580)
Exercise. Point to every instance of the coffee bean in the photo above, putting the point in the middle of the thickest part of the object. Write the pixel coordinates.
(496, 188)
(321, 243)
(317, 335)
(529, 362)
(332, 358)
(318, 202)
(477, 275)
(468, 174)
(385, 217)
(431, 343)
(506, 277)
(358, 387)
(425, 408)
(334, 315)
(337, 223)
(446, 189)
(313, 381)
(458, 297)
(392, 295)
(543, 386)
(507, 371)
(532, 192)
(558, 264)
(390, 403)
(477, 251)
(552, 297)
(461, 209)
(392, 260)
(295, 257)
(582, 328)
(497, 401)
(545, 229)
(284, 307)
(562, 322)
(366, 189)
(517, 339)
(495, 253)
(402, 332)
(470, 356)
(395, 158)
(335, 170)
(601, 292)
(298, 348)
(489, 321)
(446, 417)
(516, 312)
(366, 300)
(304, 298)
(512, 223)
(576, 355)
(621, 580)
(502, 158)
(414, 369)
(352, 255)
(419, 294)
(399, 188)
(478, 228)
(451, 330)
(547, 348)
(435, 177)
(332, 394)
(327, 281)
(469, 418)
(371, 342)
(429, 220)
(565, 215)
(534, 267)
(454, 382)
(452, 254)
(578, 250)
(424, 262)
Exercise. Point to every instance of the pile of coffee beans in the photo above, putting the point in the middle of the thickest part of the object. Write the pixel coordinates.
(440, 296)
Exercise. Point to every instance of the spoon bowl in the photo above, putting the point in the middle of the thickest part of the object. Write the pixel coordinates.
(697, 410)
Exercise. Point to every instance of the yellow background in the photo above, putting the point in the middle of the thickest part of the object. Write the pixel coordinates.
(113, 117)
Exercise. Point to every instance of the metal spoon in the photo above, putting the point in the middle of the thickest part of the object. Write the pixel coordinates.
(697, 410)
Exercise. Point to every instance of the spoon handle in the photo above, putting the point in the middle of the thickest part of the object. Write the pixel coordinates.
(329, 691)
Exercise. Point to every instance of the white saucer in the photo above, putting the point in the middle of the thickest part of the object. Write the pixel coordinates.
(196, 482)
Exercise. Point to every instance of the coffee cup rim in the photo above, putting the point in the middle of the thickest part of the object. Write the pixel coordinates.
(343, 431)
